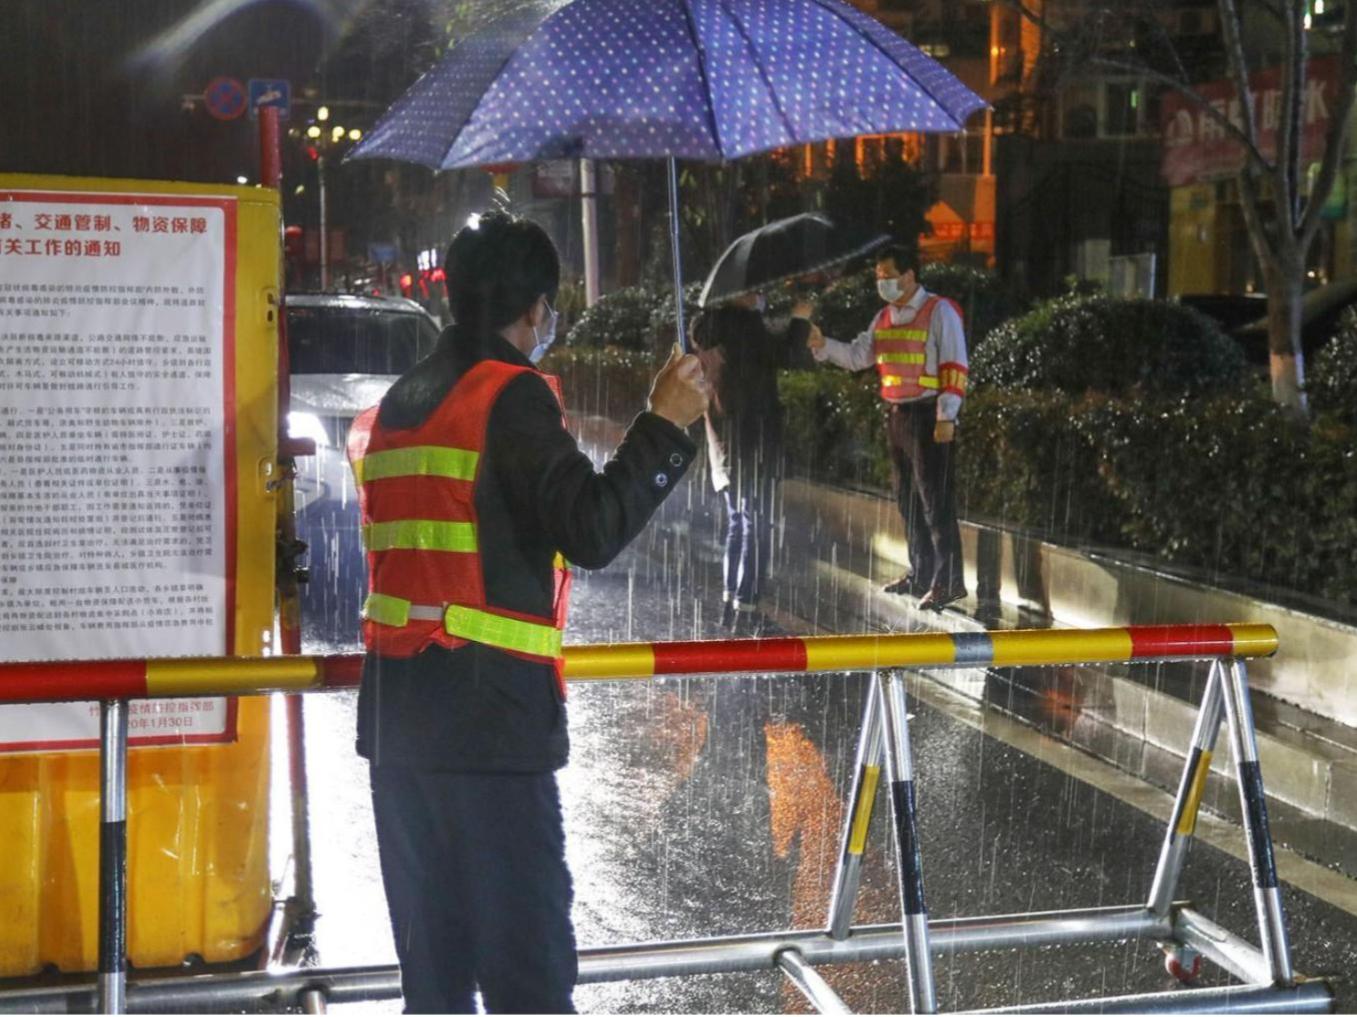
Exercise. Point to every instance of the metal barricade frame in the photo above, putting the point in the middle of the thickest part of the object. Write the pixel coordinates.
(1270, 983)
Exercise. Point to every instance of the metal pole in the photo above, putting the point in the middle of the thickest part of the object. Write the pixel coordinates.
(589, 210)
(289, 609)
(629, 962)
(988, 167)
(1309, 997)
(324, 239)
(113, 856)
(270, 148)
(1267, 894)
(303, 887)
(866, 776)
(1221, 946)
(676, 253)
(816, 990)
(1178, 837)
(900, 773)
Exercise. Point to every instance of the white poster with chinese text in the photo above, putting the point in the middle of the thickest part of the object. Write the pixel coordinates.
(116, 436)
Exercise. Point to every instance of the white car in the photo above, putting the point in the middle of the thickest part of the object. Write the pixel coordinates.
(344, 353)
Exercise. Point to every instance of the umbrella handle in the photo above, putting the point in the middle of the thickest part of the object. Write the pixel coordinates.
(675, 253)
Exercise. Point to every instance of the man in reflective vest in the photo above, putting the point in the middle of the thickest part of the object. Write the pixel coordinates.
(918, 346)
(473, 496)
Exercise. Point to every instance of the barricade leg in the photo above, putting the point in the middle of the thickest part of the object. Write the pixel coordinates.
(1266, 892)
(113, 856)
(816, 990)
(866, 776)
(1178, 837)
(900, 773)
(303, 887)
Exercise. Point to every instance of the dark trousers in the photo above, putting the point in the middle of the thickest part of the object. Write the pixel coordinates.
(478, 889)
(749, 541)
(922, 474)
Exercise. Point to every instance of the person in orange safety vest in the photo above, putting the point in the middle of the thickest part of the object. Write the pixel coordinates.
(473, 498)
(917, 344)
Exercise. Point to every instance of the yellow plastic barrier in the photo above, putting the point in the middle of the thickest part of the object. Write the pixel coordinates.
(198, 816)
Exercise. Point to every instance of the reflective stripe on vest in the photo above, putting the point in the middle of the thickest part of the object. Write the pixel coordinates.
(417, 461)
(419, 535)
(895, 381)
(468, 623)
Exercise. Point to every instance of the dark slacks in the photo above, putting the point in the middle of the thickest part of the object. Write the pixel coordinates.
(923, 477)
(749, 541)
(478, 889)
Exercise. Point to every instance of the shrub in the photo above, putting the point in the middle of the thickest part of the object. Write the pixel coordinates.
(663, 328)
(620, 319)
(984, 300)
(608, 382)
(1081, 343)
(834, 427)
(848, 305)
(1332, 384)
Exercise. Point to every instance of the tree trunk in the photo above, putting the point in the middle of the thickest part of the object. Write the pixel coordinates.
(1285, 354)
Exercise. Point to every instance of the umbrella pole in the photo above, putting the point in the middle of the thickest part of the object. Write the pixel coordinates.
(674, 250)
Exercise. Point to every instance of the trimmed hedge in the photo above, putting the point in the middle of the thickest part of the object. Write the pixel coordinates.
(1332, 384)
(620, 319)
(1226, 483)
(1102, 344)
(607, 382)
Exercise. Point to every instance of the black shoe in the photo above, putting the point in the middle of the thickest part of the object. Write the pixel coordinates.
(940, 596)
(906, 586)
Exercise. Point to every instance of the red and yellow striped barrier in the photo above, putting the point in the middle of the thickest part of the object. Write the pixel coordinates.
(199, 676)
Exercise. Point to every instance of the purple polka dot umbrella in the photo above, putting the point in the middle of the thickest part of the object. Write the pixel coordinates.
(706, 80)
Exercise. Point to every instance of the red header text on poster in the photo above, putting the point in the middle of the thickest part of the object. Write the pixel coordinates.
(116, 447)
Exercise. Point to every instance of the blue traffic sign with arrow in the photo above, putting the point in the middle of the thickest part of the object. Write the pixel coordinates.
(271, 92)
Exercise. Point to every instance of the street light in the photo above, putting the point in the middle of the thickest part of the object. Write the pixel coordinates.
(323, 137)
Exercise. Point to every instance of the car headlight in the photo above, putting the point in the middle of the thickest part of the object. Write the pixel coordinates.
(308, 425)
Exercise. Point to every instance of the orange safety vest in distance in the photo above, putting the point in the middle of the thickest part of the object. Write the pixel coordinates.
(901, 356)
(417, 501)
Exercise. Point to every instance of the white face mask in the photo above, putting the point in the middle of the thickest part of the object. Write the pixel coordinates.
(889, 289)
(545, 334)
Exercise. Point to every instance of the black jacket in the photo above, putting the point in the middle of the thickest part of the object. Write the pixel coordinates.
(742, 357)
(477, 708)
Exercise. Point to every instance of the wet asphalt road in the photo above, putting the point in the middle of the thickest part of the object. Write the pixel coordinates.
(700, 807)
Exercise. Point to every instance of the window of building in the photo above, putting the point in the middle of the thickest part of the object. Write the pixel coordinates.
(1121, 109)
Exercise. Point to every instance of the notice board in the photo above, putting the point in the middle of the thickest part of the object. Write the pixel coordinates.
(121, 466)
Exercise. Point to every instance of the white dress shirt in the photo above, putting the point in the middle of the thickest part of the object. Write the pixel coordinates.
(946, 343)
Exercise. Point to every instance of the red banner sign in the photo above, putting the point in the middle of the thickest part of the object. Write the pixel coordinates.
(1197, 147)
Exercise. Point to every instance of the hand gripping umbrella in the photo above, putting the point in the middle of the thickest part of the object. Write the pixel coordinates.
(707, 80)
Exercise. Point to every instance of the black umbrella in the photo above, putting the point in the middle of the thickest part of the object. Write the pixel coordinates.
(802, 245)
